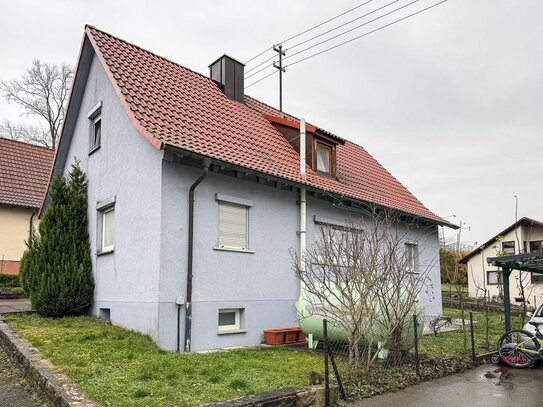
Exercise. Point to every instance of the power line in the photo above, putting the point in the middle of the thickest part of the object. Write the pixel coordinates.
(260, 70)
(260, 64)
(256, 56)
(355, 28)
(342, 25)
(331, 38)
(365, 34)
(261, 79)
(327, 21)
(309, 29)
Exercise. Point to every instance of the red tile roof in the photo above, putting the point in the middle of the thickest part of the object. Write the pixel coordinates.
(172, 105)
(24, 173)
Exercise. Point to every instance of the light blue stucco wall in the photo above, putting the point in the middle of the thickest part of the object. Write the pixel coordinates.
(128, 168)
(140, 281)
(261, 283)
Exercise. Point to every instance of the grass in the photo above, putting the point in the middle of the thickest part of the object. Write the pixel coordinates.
(451, 344)
(120, 368)
(446, 288)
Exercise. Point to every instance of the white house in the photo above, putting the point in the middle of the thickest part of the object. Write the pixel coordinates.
(523, 236)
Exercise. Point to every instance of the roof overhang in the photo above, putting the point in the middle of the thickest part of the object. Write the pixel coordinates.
(193, 159)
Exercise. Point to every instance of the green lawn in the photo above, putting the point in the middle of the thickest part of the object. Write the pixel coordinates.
(451, 288)
(451, 344)
(123, 368)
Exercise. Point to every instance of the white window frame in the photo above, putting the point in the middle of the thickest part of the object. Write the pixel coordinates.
(226, 200)
(111, 247)
(95, 116)
(104, 207)
(237, 323)
(412, 255)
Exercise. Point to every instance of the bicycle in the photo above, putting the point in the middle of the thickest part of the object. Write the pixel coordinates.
(521, 349)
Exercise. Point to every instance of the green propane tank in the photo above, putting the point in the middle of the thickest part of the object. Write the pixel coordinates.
(311, 315)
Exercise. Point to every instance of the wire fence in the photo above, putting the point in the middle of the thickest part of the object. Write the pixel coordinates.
(417, 349)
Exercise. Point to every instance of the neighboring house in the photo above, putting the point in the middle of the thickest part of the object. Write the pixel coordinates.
(523, 236)
(195, 193)
(24, 174)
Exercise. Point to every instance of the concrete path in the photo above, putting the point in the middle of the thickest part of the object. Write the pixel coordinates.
(485, 386)
(13, 391)
(15, 305)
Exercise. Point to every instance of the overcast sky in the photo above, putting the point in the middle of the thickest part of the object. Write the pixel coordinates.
(449, 101)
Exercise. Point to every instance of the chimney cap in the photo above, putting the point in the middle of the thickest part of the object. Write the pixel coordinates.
(223, 56)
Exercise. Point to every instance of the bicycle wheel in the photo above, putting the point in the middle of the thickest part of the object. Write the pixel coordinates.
(518, 348)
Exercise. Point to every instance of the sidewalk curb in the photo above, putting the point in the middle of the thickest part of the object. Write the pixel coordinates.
(55, 387)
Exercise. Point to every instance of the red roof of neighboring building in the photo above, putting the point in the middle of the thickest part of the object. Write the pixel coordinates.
(24, 173)
(172, 105)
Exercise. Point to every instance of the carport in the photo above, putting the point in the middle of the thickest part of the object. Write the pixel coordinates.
(529, 262)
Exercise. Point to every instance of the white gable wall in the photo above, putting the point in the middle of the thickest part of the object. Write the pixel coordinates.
(128, 168)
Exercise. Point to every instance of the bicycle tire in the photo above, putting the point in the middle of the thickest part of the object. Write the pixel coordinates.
(513, 356)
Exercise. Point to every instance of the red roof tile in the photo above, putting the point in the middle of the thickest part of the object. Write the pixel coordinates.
(24, 173)
(172, 105)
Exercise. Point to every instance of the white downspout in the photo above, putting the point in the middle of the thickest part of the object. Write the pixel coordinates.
(303, 199)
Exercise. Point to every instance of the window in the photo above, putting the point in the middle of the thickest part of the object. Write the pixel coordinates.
(508, 247)
(108, 229)
(106, 225)
(493, 277)
(536, 246)
(233, 223)
(411, 258)
(229, 319)
(338, 245)
(95, 116)
(324, 159)
(537, 278)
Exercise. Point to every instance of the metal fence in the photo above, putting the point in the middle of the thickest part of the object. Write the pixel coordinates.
(418, 349)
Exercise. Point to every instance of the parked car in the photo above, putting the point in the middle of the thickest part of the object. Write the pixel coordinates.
(536, 316)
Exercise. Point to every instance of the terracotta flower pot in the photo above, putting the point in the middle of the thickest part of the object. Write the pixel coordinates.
(274, 336)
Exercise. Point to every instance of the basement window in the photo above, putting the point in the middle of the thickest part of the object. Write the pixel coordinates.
(230, 320)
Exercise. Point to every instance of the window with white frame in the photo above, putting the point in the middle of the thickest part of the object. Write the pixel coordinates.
(233, 223)
(95, 117)
(493, 277)
(338, 245)
(229, 319)
(106, 225)
(411, 257)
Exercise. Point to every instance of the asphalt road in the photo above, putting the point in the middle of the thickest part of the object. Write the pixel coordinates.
(485, 386)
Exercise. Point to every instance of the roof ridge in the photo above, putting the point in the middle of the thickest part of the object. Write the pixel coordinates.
(27, 144)
(147, 51)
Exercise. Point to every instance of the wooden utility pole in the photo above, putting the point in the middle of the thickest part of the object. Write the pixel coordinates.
(279, 50)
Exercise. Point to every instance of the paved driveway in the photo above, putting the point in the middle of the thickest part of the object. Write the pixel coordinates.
(485, 386)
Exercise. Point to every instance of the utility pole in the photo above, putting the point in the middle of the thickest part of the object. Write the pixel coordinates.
(279, 50)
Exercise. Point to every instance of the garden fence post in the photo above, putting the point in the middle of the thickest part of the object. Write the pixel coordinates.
(416, 334)
(472, 337)
(326, 373)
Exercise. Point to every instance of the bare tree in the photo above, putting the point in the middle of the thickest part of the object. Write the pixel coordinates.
(28, 134)
(362, 279)
(42, 91)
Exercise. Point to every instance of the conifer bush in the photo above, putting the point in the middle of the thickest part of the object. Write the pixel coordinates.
(55, 270)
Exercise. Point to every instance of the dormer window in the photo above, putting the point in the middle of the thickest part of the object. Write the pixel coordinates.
(324, 159)
(320, 145)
